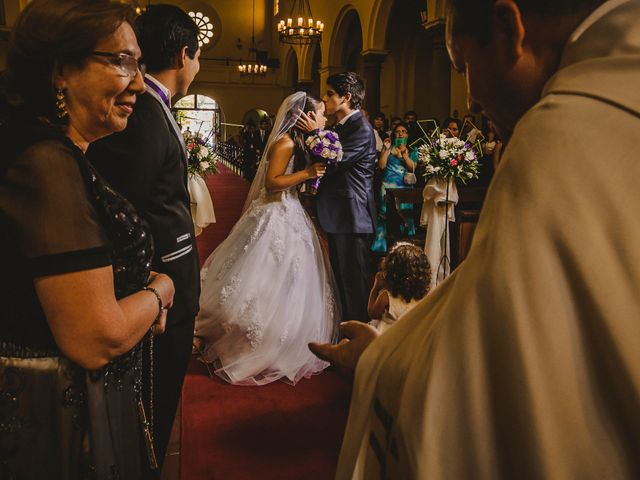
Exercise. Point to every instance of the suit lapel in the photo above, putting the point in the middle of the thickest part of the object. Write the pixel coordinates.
(172, 121)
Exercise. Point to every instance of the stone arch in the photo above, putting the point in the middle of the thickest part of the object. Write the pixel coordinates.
(338, 51)
(377, 35)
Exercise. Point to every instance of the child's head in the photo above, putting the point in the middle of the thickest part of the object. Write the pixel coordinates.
(406, 272)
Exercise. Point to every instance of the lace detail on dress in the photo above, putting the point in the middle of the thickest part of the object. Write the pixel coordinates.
(266, 300)
(249, 313)
(229, 290)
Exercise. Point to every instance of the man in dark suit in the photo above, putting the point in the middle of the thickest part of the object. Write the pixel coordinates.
(346, 208)
(147, 163)
(261, 136)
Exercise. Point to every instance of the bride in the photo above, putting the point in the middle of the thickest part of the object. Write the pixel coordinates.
(268, 289)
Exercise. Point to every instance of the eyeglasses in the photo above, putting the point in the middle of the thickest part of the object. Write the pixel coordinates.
(127, 64)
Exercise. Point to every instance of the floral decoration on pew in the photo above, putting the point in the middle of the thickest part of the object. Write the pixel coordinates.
(324, 146)
(201, 159)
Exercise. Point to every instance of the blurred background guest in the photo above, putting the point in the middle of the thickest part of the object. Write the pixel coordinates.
(396, 160)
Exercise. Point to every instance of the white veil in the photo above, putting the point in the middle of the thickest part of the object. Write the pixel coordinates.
(287, 116)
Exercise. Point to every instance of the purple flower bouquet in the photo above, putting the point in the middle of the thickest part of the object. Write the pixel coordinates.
(324, 146)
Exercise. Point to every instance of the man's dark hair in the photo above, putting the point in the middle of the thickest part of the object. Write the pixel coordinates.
(164, 30)
(348, 82)
(410, 112)
(474, 16)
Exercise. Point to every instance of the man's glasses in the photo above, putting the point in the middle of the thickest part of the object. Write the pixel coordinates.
(127, 64)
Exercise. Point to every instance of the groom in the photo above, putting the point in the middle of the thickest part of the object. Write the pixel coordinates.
(345, 196)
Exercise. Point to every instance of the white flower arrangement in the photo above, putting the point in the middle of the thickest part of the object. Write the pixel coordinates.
(450, 158)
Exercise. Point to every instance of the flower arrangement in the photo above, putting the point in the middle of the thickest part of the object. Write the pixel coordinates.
(324, 146)
(450, 158)
(201, 160)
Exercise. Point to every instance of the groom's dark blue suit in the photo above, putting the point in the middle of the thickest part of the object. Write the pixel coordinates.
(346, 211)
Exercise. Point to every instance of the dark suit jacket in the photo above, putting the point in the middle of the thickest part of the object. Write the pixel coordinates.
(146, 163)
(345, 197)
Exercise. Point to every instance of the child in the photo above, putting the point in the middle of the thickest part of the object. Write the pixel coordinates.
(403, 280)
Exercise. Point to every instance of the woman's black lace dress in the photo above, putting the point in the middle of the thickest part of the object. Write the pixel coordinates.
(58, 216)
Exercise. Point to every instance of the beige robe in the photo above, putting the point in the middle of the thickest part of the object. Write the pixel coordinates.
(525, 362)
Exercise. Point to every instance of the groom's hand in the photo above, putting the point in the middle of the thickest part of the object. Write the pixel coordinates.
(307, 123)
(345, 354)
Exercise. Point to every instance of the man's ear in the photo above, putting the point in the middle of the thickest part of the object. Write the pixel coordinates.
(347, 98)
(181, 57)
(508, 21)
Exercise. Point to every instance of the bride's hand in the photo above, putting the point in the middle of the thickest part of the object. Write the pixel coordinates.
(316, 170)
(307, 123)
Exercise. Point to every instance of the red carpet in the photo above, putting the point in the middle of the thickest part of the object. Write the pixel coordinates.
(275, 431)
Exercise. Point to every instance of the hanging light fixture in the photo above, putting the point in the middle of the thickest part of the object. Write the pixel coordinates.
(253, 67)
(300, 28)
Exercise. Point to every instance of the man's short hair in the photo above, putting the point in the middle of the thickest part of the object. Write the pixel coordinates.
(474, 16)
(348, 82)
(164, 30)
(410, 113)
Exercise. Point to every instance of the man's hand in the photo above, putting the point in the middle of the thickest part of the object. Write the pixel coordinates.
(346, 353)
(307, 123)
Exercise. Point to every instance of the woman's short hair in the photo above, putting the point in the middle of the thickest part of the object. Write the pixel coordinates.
(406, 272)
(48, 35)
(395, 127)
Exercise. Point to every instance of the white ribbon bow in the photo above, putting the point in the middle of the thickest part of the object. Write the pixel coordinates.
(201, 205)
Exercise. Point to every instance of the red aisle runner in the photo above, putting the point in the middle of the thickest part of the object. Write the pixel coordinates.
(275, 431)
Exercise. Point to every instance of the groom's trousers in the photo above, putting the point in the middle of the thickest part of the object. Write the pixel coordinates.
(350, 259)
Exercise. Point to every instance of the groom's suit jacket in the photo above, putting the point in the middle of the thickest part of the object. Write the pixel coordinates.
(147, 164)
(345, 199)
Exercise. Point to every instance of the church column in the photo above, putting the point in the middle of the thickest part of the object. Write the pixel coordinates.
(439, 71)
(326, 72)
(373, 60)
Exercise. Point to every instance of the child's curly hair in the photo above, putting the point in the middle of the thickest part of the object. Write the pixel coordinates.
(406, 272)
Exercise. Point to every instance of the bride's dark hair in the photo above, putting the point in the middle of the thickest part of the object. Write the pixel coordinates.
(300, 150)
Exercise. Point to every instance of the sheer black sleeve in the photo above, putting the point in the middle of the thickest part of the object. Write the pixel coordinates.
(45, 201)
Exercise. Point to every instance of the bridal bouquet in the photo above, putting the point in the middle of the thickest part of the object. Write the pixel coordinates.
(324, 146)
(201, 160)
(450, 158)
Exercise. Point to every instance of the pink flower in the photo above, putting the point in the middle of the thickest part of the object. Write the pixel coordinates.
(454, 162)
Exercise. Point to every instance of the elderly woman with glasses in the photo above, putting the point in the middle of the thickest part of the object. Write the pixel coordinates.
(80, 304)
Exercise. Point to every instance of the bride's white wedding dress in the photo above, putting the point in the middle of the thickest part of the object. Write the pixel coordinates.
(267, 291)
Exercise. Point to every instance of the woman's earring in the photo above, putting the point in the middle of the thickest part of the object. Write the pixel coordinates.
(61, 104)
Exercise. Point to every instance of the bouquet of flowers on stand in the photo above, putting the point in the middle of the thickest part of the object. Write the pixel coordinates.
(201, 159)
(324, 146)
(450, 158)
(445, 161)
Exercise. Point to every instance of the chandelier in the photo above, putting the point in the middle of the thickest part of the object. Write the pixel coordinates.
(300, 28)
(252, 67)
